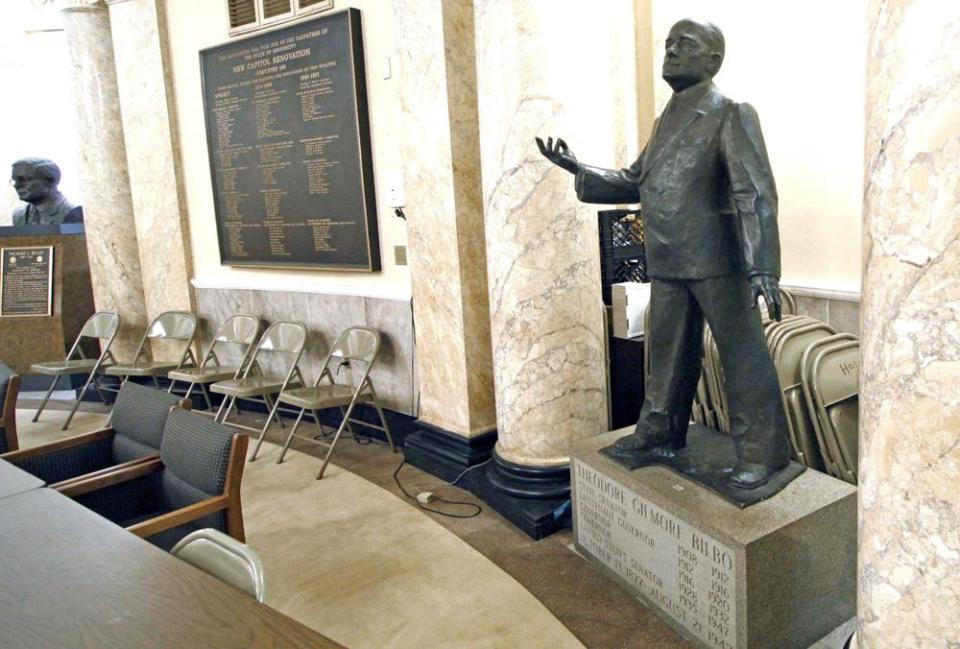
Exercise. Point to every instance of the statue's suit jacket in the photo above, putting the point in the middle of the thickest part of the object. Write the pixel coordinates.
(707, 193)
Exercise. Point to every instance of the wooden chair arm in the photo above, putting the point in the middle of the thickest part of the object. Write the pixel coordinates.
(102, 472)
(86, 485)
(8, 416)
(179, 517)
(59, 445)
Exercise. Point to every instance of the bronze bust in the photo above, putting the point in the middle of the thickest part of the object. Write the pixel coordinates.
(35, 181)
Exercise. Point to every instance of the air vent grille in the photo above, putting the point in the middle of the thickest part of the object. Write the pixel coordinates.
(274, 8)
(242, 13)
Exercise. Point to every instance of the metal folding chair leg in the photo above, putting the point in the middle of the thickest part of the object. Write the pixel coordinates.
(316, 422)
(353, 433)
(76, 404)
(263, 431)
(206, 396)
(386, 426)
(272, 408)
(45, 399)
(333, 443)
(293, 430)
(96, 386)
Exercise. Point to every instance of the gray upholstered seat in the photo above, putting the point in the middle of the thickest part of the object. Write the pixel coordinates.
(194, 484)
(139, 416)
(9, 389)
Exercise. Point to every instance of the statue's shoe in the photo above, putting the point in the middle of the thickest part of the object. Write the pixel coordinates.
(750, 475)
(641, 443)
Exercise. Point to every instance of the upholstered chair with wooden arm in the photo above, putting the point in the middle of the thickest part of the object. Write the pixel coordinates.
(139, 416)
(194, 484)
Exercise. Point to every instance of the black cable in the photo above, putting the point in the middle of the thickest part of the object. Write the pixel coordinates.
(396, 478)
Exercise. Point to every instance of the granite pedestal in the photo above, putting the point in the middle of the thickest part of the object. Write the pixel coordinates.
(780, 574)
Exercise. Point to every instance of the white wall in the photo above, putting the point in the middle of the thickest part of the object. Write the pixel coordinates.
(802, 66)
(197, 24)
(36, 115)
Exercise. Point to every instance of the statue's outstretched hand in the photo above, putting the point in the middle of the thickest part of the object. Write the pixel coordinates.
(559, 154)
(769, 287)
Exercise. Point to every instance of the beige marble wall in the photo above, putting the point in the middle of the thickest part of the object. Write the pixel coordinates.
(441, 173)
(909, 563)
(145, 91)
(108, 209)
(534, 78)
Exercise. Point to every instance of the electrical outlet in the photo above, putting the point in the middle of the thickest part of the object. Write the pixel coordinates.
(395, 194)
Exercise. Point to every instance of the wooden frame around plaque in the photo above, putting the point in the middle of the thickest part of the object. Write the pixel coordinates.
(49, 282)
(288, 134)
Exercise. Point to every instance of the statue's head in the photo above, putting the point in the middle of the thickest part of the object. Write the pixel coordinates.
(694, 53)
(34, 179)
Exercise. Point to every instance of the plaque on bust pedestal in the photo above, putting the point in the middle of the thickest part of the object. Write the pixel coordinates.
(26, 281)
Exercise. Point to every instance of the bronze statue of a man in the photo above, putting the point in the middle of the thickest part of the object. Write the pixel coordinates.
(35, 181)
(709, 208)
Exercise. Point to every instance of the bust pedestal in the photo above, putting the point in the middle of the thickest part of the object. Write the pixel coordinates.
(33, 339)
(779, 574)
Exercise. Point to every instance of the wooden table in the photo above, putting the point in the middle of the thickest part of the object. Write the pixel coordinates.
(71, 579)
(15, 481)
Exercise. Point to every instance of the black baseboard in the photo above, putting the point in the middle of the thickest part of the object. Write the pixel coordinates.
(534, 499)
(41, 383)
(445, 454)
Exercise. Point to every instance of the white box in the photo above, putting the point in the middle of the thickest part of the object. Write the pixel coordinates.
(629, 302)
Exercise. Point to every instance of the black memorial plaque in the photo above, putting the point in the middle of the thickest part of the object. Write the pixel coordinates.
(289, 141)
(26, 281)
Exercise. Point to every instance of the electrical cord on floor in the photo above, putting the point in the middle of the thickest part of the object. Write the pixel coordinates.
(429, 497)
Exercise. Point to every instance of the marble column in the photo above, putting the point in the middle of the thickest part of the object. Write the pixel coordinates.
(441, 171)
(909, 558)
(146, 107)
(108, 208)
(535, 79)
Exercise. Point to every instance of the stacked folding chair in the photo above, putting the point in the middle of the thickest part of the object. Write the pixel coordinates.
(830, 373)
(787, 356)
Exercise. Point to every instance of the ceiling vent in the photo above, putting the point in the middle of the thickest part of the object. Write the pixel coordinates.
(250, 15)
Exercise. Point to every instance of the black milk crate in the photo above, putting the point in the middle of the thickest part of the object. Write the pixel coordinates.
(622, 258)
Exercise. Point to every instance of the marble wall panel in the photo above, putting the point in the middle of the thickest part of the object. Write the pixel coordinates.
(325, 317)
(909, 559)
(841, 314)
(542, 255)
(445, 233)
(139, 43)
(108, 211)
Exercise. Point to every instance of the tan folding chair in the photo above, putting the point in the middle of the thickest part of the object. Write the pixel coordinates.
(834, 374)
(806, 384)
(225, 558)
(787, 358)
(171, 325)
(237, 331)
(356, 346)
(103, 326)
(788, 303)
(284, 339)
